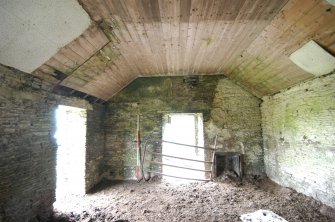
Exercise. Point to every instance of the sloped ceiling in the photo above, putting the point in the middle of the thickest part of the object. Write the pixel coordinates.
(249, 41)
(31, 31)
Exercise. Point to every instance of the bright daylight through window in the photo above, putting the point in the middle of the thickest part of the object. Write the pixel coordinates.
(71, 140)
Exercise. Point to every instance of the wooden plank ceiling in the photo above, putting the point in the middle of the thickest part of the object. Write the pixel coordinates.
(247, 40)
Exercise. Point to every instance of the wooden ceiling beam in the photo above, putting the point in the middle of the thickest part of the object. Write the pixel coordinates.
(247, 40)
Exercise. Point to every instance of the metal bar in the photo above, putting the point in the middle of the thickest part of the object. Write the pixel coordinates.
(241, 161)
(186, 178)
(138, 152)
(213, 156)
(187, 168)
(181, 158)
(199, 147)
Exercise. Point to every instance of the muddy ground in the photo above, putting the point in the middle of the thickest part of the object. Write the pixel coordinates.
(222, 200)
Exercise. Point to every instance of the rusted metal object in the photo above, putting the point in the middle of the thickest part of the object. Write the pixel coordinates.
(181, 158)
(213, 156)
(198, 147)
(211, 171)
(139, 176)
(181, 167)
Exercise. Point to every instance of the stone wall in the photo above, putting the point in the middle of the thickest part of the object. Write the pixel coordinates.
(27, 149)
(299, 139)
(236, 119)
(95, 145)
(228, 111)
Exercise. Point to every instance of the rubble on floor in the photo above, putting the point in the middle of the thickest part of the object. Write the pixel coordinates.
(221, 200)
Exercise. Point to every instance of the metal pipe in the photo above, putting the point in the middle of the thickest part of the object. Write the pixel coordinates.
(186, 178)
(199, 147)
(187, 168)
(138, 152)
(213, 157)
(181, 158)
(142, 163)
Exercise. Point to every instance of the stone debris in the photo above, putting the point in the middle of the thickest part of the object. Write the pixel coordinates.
(262, 216)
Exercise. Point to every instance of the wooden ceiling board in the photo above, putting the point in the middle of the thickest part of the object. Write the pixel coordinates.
(128, 33)
(202, 37)
(74, 54)
(247, 40)
(43, 72)
(265, 65)
(222, 23)
(247, 27)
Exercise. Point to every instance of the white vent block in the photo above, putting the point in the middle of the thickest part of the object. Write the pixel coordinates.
(313, 59)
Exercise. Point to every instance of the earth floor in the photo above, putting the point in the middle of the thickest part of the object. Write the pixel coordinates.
(225, 199)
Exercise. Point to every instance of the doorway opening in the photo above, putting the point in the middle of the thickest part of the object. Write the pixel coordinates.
(71, 140)
(183, 128)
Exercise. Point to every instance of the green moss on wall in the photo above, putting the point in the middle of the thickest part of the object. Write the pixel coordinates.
(298, 126)
(225, 107)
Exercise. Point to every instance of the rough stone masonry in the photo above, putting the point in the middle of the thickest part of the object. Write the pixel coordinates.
(299, 138)
(298, 126)
(228, 111)
(28, 149)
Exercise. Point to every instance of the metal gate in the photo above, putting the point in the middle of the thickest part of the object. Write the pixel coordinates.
(151, 162)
